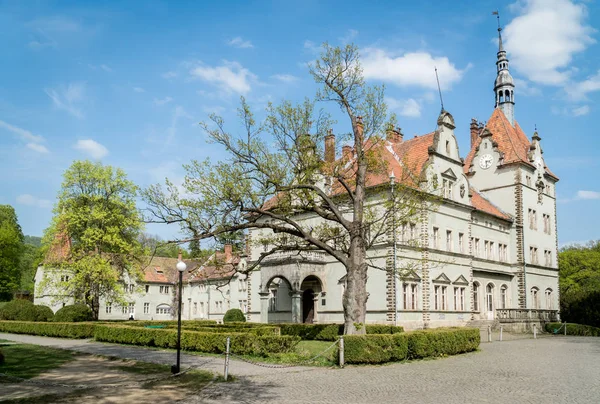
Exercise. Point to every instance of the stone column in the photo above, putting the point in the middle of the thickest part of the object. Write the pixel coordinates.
(296, 307)
(264, 307)
(315, 306)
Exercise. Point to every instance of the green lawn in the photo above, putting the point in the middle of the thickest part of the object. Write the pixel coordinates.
(27, 361)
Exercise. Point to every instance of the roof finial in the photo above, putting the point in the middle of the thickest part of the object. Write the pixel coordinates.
(439, 89)
(500, 46)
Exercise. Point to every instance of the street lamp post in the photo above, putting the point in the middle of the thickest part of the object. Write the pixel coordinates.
(181, 267)
(392, 182)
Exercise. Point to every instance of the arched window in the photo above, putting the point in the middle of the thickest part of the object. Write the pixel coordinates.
(500, 96)
(535, 303)
(489, 297)
(549, 303)
(503, 297)
(507, 95)
(475, 296)
(163, 309)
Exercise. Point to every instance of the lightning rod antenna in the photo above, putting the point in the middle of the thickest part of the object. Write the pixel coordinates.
(439, 88)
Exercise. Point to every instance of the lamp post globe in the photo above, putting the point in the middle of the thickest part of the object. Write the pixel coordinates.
(181, 266)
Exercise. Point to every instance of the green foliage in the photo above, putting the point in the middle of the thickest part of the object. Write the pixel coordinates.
(24, 310)
(234, 315)
(97, 216)
(411, 345)
(50, 329)
(573, 329)
(1, 357)
(184, 323)
(260, 331)
(241, 343)
(33, 240)
(31, 257)
(11, 248)
(579, 271)
(330, 332)
(74, 313)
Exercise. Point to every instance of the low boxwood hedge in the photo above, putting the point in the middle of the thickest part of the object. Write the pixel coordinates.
(241, 343)
(260, 331)
(74, 313)
(192, 323)
(330, 332)
(380, 348)
(574, 329)
(49, 329)
(233, 316)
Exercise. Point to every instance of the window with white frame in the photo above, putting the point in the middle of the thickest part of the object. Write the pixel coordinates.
(195, 309)
(503, 297)
(477, 248)
(64, 278)
(124, 309)
(533, 255)
(146, 308)
(130, 287)
(413, 232)
(548, 258)
(447, 185)
(547, 226)
(147, 288)
(243, 305)
(532, 219)
(273, 300)
(409, 294)
(163, 309)
(131, 308)
(535, 298)
(440, 302)
(486, 249)
(449, 243)
(461, 242)
(202, 312)
(475, 296)
(108, 308)
(492, 250)
(164, 289)
(462, 298)
(549, 302)
(436, 237)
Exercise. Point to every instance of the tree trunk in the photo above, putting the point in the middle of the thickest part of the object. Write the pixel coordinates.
(355, 294)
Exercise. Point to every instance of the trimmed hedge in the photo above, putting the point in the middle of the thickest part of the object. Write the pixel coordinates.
(260, 331)
(184, 323)
(74, 313)
(574, 329)
(241, 343)
(413, 345)
(24, 310)
(330, 332)
(234, 315)
(50, 329)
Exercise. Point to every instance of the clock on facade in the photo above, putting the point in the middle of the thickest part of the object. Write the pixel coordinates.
(486, 161)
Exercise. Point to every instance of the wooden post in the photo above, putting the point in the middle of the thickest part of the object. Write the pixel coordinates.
(341, 349)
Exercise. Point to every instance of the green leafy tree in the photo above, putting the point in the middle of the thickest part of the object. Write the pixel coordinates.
(92, 245)
(11, 250)
(275, 178)
(31, 257)
(579, 272)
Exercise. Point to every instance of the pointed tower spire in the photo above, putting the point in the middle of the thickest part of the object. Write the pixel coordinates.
(504, 85)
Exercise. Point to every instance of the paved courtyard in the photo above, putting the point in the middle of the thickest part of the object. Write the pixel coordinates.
(553, 369)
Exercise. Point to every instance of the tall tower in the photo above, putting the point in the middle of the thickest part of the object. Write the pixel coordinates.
(504, 86)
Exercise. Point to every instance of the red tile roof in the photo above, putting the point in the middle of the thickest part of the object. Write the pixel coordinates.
(512, 142)
(480, 203)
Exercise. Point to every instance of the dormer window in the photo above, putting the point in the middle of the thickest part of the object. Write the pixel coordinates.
(447, 185)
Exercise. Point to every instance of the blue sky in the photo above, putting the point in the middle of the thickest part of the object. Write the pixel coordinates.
(127, 82)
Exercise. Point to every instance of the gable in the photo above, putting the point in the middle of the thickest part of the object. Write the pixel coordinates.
(461, 280)
(442, 279)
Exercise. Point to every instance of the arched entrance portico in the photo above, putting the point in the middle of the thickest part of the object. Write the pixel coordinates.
(277, 301)
(311, 291)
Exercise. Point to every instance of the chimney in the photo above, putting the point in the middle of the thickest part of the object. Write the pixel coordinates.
(228, 252)
(474, 131)
(395, 135)
(330, 147)
(347, 152)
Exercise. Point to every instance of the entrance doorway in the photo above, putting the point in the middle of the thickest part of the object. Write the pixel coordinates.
(308, 306)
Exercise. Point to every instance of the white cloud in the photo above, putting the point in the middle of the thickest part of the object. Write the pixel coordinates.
(23, 133)
(580, 111)
(178, 113)
(230, 77)
(163, 101)
(68, 98)
(523, 87)
(169, 75)
(139, 90)
(408, 108)
(92, 148)
(579, 91)
(544, 37)
(30, 200)
(312, 47)
(33, 141)
(238, 42)
(286, 78)
(350, 35)
(37, 147)
(588, 195)
(410, 69)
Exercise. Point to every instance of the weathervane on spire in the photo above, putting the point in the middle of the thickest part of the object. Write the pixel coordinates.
(439, 89)
(497, 14)
(500, 47)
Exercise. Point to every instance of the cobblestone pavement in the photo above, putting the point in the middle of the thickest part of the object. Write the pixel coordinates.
(546, 370)
(552, 369)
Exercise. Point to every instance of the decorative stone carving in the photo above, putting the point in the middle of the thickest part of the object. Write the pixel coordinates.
(462, 190)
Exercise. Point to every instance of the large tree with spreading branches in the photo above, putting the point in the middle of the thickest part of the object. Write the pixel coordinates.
(275, 181)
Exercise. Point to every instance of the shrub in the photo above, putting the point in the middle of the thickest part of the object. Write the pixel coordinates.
(52, 329)
(43, 313)
(184, 323)
(1, 357)
(260, 331)
(234, 315)
(381, 348)
(19, 310)
(74, 313)
(330, 332)
(241, 343)
(574, 329)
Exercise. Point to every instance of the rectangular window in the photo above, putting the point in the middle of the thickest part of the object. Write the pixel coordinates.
(166, 290)
(146, 308)
(436, 237)
(108, 308)
(487, 249)
(124, 309)
(461, 243)
(195, 310)
(413, 296)
(533, 255)
(131, 308)
(477, 250)
(161, 289)
(528, 180)
(202, 309)
(444, 298)
(449, 244)
(130, 287)
(147, 288)
(492, 251)
(447, 185)
(456, 298)
(405, 296)
(273, 300)
(413, 232)
(437, 297)
(462, 299)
